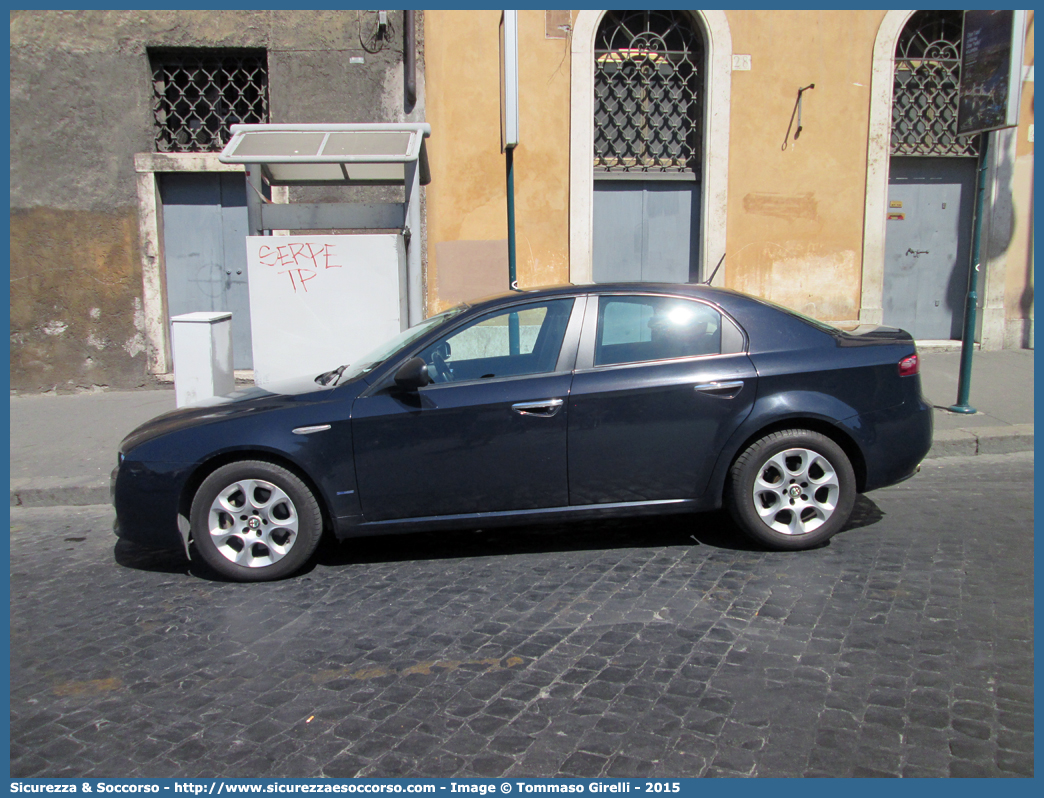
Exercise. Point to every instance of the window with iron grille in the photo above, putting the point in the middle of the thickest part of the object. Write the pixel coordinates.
(198, 94)
(926, 80)
(648, 94)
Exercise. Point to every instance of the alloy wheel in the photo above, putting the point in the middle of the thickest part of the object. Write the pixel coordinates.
(796, 491)
(253, 523)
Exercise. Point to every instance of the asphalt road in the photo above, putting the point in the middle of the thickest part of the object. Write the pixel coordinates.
(662, 647)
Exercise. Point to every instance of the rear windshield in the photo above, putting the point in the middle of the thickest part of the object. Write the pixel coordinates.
(819, 325)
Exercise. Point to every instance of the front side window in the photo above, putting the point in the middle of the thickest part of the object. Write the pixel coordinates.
(633, 329)
(522, 340)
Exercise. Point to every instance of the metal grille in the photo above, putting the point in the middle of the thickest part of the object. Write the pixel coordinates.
(648, 94)
(198, 95)
(926, 80)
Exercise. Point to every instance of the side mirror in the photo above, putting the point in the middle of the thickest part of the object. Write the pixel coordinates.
(413, 374)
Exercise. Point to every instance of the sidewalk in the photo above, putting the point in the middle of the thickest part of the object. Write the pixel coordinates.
(63, 447)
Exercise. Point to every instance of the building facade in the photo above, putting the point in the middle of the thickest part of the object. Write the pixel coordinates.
(652, 144)
(121, 214)
(808, 157)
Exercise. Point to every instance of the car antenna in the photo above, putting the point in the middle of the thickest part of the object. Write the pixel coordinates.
(708, 280)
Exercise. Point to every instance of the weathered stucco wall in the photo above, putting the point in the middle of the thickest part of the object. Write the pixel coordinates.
(467, 198)
(796, 214)
(81, 107)
(75, 297)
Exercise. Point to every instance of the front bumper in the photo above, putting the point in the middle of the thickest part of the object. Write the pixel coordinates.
(146, 498)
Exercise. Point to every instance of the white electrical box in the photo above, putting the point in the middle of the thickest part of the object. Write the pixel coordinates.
(202, 348)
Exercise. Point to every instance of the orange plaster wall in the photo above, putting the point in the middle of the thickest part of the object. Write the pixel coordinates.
(467, 198)
(795, 221)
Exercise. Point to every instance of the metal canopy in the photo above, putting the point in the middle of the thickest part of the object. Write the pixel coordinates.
(337, 155)
(361, 154)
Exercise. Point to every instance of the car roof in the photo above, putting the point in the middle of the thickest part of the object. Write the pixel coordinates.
(716, 295)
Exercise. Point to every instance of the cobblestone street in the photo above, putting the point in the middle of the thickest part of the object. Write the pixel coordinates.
(654, 647)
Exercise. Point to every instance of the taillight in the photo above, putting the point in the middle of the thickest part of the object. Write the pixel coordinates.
(909, 366)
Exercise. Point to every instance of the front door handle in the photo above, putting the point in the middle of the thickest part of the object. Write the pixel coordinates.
(723, 390)
(543, 407)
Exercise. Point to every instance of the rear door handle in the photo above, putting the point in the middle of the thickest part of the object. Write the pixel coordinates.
(543, 407)
(723, 390)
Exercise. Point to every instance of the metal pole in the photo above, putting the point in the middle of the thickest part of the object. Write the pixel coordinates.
(513, 331)
(970, 305)
(255, 185)
(414, 277)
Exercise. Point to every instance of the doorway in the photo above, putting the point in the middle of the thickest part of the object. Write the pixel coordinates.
(927, 245)
(648, 147)
(646, 231)
(204, 242)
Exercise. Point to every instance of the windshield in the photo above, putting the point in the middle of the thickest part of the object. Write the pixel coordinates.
(372, 360)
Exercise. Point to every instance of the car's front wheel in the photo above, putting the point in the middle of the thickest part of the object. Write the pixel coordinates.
(792, 489)
(254, 521)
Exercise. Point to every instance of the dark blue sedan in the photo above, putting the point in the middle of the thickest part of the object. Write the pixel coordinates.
(572, 402)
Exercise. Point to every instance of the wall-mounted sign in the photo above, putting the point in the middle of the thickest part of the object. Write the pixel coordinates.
(895, 204)
(896, 217)
(509, 80)
(991, 70)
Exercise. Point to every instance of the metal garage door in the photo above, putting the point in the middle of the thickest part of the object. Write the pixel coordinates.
(204, 243)
(927, 245)
(646, 231)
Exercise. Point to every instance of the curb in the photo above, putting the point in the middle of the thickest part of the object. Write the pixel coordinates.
(78, 492)
(982, 440)
(59, 492)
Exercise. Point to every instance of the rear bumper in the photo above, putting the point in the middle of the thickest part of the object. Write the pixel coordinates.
(894, 441)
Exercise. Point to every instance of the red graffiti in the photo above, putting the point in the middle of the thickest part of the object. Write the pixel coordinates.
(298, 255)
(303, 276)
(300, 261)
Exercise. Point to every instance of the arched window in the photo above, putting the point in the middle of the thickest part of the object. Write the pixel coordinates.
(926, 80)
(648, 148)
(648, 94)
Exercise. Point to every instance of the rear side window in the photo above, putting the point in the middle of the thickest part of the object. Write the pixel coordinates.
(633, 329)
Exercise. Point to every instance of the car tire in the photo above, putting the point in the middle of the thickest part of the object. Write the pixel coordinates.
(791, 490)
(254, 521)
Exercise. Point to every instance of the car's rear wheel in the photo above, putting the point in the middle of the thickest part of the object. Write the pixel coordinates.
(254, 521)
(792, 489)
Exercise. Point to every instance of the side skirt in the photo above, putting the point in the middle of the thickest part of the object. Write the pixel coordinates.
(350, 527)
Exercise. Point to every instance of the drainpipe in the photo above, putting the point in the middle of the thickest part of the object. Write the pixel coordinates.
(410, 60)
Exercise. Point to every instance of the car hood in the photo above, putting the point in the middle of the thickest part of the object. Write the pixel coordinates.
(238, 403)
